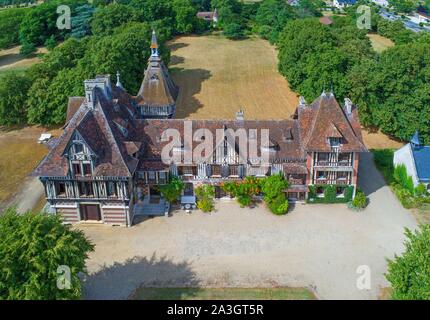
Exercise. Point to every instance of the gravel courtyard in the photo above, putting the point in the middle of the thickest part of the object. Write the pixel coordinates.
(315, 246)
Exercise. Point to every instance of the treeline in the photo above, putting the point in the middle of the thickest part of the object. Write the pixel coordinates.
(392, 89)
(16, 3)
(117, 39)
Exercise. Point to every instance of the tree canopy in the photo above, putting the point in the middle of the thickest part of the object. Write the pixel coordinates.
(409, 273)
(33, 249)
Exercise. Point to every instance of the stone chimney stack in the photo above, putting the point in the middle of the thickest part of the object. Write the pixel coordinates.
(348, 106)
(302, 102)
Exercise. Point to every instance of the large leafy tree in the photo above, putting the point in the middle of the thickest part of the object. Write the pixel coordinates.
(185, 16)
(108, 18)
(32, 248)
(393, 93)
(310, 58)
(271, 17)
(13, 96)
(405, 6)
(409, 274)
(40, 22)
(9, 20)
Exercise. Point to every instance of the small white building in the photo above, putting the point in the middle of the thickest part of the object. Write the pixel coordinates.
(340, 4)
(382, 3)
(416, 158)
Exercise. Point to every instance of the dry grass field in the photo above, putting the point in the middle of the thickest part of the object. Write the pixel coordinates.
(10, 59)
(19, 155)
(380, 43)
(218, 77)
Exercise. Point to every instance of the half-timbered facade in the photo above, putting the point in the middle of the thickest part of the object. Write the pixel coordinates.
(107, 165)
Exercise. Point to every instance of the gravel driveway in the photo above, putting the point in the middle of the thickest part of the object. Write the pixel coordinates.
(315, 246)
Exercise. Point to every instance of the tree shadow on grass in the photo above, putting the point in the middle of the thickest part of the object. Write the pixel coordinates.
(190, 83)
(129, 279)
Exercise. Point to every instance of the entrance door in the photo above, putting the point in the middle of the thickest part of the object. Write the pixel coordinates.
(90, 212)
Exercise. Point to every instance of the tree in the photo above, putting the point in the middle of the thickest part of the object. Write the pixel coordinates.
(234, 31)
(409, 273)
(81, 21)
(50, 43)
(185, 16)
(9, 20)
(40, 22)
(108, 18)
(405, 6)
(310, 58)
(393, 92)
(13, 96)
(172, 190)
(32, 248)
(273, 188)
(271, 17)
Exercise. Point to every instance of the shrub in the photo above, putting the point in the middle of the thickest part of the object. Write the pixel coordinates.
(244, 191)
(27, 49)
(360, 200)
(172, 190)
(420, 190)
(330, 193)
(278, 205)
(401, 177)
(205, 195)
(205, 204)
(273, 188)
(409, 273)
(50, 43)
(234, 31)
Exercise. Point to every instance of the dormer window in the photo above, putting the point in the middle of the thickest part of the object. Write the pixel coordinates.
(335, 141)
(79, 148)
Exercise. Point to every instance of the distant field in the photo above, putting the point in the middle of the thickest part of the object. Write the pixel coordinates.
(380, 43)
(218, 77)
(223, 294)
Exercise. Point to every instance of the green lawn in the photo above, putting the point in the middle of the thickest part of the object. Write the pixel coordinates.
(223, 293)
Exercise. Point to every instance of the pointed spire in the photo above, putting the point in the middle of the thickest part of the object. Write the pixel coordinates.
(416, 139)
(154, 45)
(118, 81)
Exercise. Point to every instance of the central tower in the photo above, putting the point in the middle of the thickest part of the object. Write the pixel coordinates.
(158, 93)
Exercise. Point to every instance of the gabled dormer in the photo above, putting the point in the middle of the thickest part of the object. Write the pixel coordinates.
(80, 156)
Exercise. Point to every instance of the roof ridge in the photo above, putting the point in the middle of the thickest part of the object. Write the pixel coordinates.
(113, 135)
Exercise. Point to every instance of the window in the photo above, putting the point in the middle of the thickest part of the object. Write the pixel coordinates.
(323, 156)
(321, 175)
(216, 170)
(111, 189)
(77, 169)
(342, 175)
(87, 169)
(61, 189)
(320, 190)
(339, 191)
(234, 170)
(79, 148)
(335, 141)
(187, 171)
(85, 189)
(344, 157)
(188, 189)
(151, 175)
